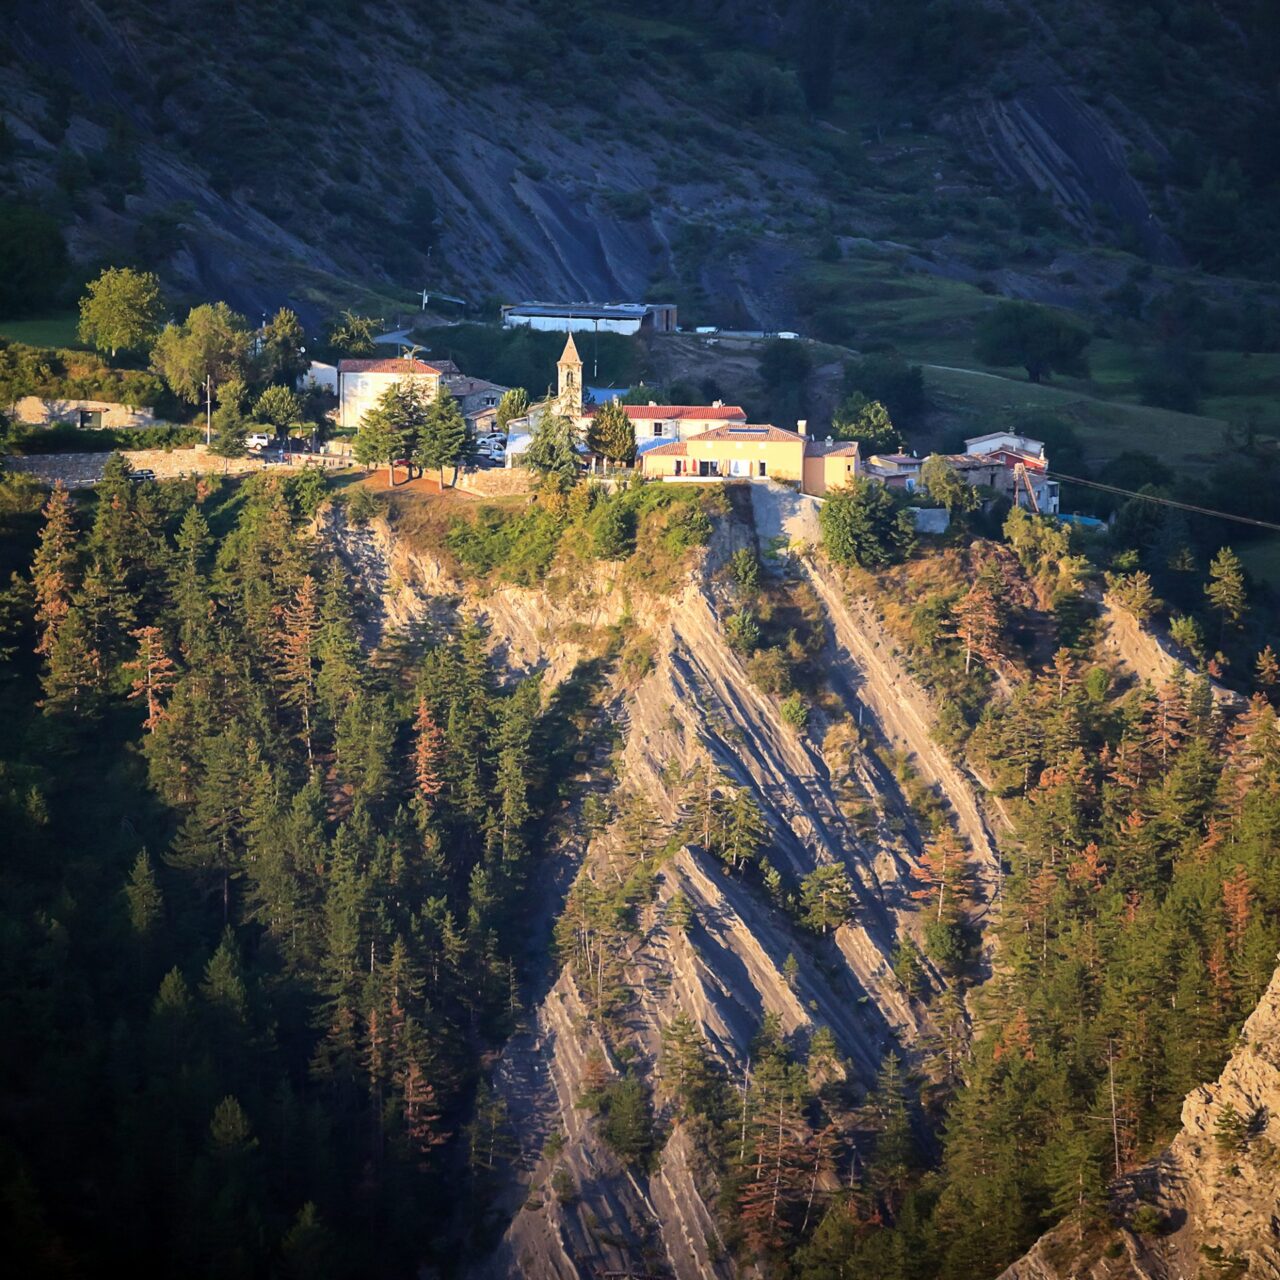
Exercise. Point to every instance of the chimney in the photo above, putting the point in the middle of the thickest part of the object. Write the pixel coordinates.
(802, 426)
(653, 403)
(717, 404)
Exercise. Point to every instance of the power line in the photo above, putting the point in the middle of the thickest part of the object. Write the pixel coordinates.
(1168, 502)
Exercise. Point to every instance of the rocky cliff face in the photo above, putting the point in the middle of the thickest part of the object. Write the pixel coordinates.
(570, 1208)
(1215, 1192)
(290, 152)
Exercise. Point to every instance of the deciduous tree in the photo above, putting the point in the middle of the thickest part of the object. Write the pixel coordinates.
(121, 310)
(212, 342)
(1039, 339)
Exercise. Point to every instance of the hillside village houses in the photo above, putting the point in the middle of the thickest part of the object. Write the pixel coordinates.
(706, 442)
(654, 423)
(360, 384)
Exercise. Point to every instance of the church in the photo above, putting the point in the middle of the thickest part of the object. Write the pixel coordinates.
(655, 424)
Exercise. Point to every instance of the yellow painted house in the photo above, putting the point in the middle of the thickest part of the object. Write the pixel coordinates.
(747, 450)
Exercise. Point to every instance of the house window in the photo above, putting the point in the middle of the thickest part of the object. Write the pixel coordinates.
(658, 429)
(762, 469)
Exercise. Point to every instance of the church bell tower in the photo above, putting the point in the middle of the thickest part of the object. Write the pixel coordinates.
(569, 380)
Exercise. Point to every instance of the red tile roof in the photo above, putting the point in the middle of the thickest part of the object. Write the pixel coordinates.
(394, 365)
(754, 431)
(831, 448)
(646, 412)
(675, 449)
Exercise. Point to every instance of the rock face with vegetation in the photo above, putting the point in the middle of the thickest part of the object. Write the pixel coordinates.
(1210, 1204)
(616, 882)
(531, 148)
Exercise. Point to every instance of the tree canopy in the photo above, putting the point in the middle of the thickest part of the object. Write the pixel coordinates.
(862, 525)
(212, 342)
(553, 452)
(1039, 339)
(121, 310)
(443, 435)
(611, 434)
(867, 422)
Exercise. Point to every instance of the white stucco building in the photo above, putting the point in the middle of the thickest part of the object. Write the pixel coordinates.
(362, 382)
(591, 317)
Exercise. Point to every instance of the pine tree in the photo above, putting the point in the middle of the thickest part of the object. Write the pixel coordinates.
(684, 1062)
(1230, 1130)
(443, 434)
(943, 873)
(1267, 668)
(300, 627)
(393, 428)
(52, 568)
(744, 827)
(156, 673)
(680, 914)
(427, 749)
(1077, 1185)
(309, 1249)
(142, 893)
(193, 607)
(980, 617)
(826, 897)
(552, 451)
(73, 667)
(1225, 587)
(777, 1183)
(490, 1140)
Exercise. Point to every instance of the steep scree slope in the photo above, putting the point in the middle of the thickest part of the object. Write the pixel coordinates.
(727, 971)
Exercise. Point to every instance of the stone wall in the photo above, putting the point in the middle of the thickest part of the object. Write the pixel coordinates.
(83, 470)
(37, 412)
(496, 483)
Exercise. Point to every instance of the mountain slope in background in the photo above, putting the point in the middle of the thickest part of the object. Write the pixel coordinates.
(714, 152)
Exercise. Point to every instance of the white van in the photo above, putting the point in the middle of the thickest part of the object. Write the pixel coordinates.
(257, 440)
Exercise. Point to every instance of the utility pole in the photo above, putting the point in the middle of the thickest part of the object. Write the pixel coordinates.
(208, 409)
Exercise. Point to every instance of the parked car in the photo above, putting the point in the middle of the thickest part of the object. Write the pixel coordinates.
(492, 437)
(142, 475)
(257, 440)
(492, 450)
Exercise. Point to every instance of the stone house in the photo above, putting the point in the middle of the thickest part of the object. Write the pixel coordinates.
(37, 411)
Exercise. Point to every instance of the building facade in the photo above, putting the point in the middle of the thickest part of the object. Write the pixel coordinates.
(591, 317)
(361, 383)
(36, 411)
(751, 451)
(1013, 465)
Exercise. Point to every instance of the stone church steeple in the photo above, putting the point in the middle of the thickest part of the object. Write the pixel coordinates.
(569, 380)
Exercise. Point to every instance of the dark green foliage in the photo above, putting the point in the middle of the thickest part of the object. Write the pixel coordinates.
(626, 1122)
(613, 531)
(867, 422)
(67, 439)
(785, 365)
(862, 525)
(33, 260)
(226, 1036)
(897, 385)
(1040, 340)
(71, 375)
